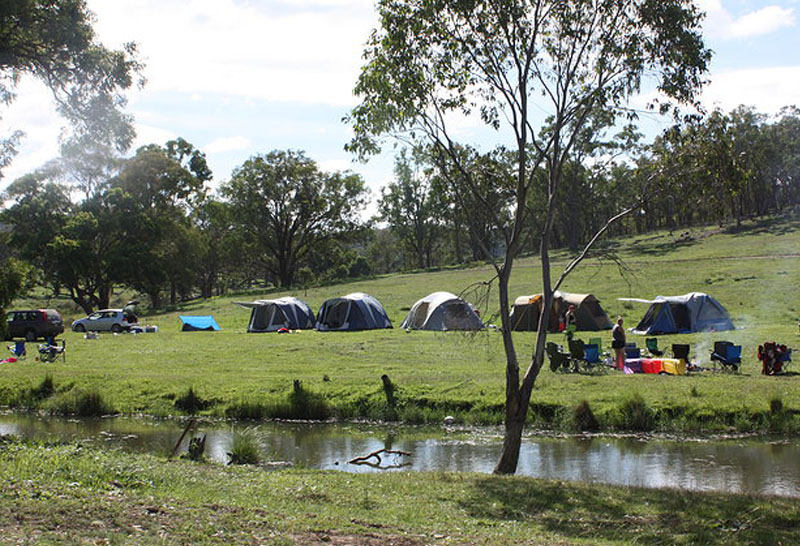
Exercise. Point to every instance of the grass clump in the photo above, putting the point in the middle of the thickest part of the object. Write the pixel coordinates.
(634, 414)
(245, 449)
(82, 403)
(189, 402)
(583, 418)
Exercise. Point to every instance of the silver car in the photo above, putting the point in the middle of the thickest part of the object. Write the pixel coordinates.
(105, 320)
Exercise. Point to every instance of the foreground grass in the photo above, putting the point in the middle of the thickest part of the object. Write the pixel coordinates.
(68, 494)
(754, 271)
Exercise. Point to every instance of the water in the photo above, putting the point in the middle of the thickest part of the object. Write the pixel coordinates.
(736, 466)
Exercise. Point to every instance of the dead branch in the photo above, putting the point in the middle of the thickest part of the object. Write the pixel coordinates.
(376, 455)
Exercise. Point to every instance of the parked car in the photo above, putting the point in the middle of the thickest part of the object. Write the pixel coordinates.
(104, 320)
(33, 324)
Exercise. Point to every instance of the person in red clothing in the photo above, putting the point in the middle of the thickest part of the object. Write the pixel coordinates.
(618, 343)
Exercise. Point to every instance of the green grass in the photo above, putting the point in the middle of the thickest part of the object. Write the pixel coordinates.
(754, 271)
(68, 494)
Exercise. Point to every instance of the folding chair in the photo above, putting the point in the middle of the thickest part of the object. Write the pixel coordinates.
(18, 350)
(680, 351)
(559, 360)
(727, 354)
(652, 346)
(49, 351)
(632, 351)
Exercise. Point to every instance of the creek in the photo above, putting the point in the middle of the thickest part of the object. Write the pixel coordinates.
(740, 465)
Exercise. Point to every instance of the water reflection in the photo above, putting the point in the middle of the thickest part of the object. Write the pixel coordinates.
(741, 466)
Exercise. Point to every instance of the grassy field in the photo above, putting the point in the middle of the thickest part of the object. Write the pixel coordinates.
(753, 270)
(69, 494)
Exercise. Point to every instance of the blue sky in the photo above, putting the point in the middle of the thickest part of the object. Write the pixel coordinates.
(242, 77)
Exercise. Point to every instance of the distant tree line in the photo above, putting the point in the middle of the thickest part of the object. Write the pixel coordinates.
(89, 223)
(715, 169)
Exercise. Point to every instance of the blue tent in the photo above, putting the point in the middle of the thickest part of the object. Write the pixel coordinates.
(194, 323)
(356, 311)
(693, 312)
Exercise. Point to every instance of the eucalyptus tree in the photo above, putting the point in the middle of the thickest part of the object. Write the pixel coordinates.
(412, 208)
(289, 210)
(535, 71)
(54, 41)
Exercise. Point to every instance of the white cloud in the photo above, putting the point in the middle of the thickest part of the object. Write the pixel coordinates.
(763, 21)
(308, 53)
(34, 114)
(719, 21)
(227, 144)
(767, 89)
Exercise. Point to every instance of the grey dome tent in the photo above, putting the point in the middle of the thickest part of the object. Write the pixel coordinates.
(442, 311)
(272, 315)
(352, 312)
(589, 315)
(692, 312)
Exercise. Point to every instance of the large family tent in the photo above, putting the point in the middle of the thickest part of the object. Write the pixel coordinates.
(442, 311)
(272, 315)
(197, 323)
(589, 315)
(693, 312)
(356, 311)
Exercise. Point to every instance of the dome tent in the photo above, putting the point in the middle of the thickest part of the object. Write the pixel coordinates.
(692, 312)
(272, 315)
(357, 311)
(589, 315)
(442, 311)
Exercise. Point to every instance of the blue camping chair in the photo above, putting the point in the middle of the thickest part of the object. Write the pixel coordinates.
(18, 350)
(727, 354)
(632, 351)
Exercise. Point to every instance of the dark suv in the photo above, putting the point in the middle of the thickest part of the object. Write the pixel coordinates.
(34, 323)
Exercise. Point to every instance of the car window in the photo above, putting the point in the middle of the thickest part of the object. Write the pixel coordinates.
(95, 316)
(10, 316)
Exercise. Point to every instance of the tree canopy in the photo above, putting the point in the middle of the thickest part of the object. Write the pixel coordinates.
(289, 209)
(54, 42)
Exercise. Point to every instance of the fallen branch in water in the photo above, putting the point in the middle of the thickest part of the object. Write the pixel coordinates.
(377, 455)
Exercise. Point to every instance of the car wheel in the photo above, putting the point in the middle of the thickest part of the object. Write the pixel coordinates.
(116, 328)
(30, 335)
(80, 328)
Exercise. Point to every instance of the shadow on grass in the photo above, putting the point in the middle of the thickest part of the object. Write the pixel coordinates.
(655, 247)
(642, 516)
(774, 225)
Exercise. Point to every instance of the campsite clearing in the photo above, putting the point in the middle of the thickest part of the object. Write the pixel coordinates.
(449, 373)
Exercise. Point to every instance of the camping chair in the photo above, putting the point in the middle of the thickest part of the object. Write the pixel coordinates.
(49, 351)
(632, 351)
(727, 354)
(18, 350)
(652, 346)
(599, 342)
(559, 360)
(680, 351)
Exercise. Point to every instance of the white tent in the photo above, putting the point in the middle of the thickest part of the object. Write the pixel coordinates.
(272, 315)
(442, 311)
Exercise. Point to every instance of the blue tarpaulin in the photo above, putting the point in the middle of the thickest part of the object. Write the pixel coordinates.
(193, 323)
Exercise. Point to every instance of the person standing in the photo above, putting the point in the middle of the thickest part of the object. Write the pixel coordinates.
(618, 343)
(570, 326)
